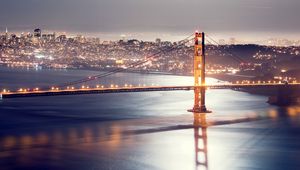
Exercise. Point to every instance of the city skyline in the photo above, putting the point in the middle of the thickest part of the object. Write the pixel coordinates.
(151, 37)
(250, 20)
(149, 84)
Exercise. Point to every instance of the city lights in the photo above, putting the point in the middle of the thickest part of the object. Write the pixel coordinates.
(135, 84)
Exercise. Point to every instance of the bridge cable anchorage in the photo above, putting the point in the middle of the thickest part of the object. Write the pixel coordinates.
(234, 56)
(132, 65)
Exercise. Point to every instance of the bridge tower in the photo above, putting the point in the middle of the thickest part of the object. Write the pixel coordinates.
(199, 74)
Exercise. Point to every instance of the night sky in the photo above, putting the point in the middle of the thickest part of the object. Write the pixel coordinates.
(173, 16)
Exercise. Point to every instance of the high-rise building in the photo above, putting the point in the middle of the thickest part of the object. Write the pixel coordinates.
(37, 33)
(97, 41)
(124, 38)
(29, 35)
(232, 41)
(6, 33)
(22, 35)
(158, 41)
(80, 38)
(61, 38)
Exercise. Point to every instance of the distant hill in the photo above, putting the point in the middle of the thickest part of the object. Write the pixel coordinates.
(250, 53)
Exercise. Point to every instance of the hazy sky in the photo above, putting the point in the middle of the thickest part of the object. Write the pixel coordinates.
(233, 17)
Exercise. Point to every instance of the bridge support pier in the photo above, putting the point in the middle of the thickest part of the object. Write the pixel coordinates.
(199, 74)
(199, 101)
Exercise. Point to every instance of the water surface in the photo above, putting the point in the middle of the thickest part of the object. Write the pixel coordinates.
(148, 130)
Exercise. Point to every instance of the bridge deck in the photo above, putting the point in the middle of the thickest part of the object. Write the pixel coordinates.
(138, 89)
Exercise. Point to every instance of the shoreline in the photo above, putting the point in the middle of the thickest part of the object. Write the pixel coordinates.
(230, 77)
(102, 70)
(221, 77)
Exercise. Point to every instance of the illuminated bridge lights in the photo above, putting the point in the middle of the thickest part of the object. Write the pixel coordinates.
(70, 88)
(54, 88)
(259, 82)
(23, 92)
(5, 91)
(144, 87)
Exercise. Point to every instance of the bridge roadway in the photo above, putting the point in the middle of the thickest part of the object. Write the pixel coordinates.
(138, 89)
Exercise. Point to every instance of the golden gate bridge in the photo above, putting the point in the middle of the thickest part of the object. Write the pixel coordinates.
(200, 86)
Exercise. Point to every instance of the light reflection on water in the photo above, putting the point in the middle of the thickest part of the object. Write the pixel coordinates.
(92, 141)
(145, 130)
(200, 136)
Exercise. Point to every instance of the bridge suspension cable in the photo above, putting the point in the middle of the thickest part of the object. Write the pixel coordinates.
(132, 65)
(233, 55)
